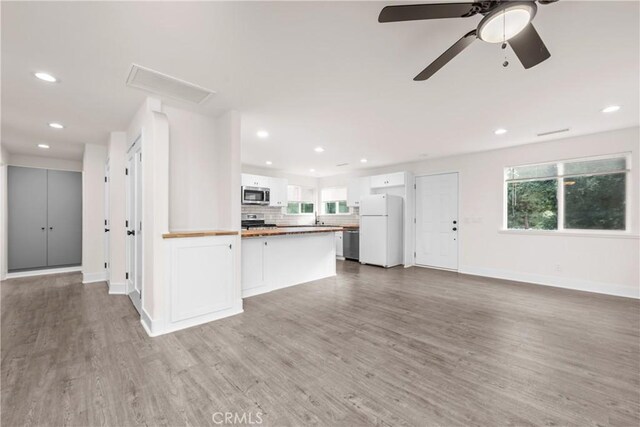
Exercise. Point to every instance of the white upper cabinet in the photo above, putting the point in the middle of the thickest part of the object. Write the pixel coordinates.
(249, 180)
(278, 194)
(356, 188)
(388, 180)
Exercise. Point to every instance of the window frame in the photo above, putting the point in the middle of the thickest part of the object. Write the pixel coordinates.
(336, 202)
(301, 202)
(286, 212)
(561, 230)
(322, 209)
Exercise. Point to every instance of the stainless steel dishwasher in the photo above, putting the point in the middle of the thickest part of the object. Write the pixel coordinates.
(351, 244)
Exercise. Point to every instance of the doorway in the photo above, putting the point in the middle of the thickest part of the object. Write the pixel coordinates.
(133, 224)
(437, 221)
(44, 218)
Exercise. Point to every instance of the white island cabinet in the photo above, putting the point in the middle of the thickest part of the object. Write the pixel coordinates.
(292, 257)
(201, 280)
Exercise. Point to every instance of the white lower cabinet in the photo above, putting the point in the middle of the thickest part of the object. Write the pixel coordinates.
(200, 282)
(339, 244)
(270, 263)
(253, 277)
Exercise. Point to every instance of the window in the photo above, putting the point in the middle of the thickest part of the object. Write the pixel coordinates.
(585, 194)
(300, 200)
(334, 201)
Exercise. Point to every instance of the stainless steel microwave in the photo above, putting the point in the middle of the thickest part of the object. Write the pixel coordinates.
(255, 196)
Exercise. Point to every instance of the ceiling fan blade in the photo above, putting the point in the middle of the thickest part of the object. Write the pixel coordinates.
(529, 47)
(447, 56)
(413, 12)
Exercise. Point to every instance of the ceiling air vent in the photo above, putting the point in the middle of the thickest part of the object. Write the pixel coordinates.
(553, 132)
(342, 164)
(162, 84)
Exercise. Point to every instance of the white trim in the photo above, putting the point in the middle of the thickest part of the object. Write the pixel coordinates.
(560, 191)
(578, 233)
(615, 289)
(43, 272)
(148, 324)
(415, 217)
(154, 328)
(117, 288)
(100, 276)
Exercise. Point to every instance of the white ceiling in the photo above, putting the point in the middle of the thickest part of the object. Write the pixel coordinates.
(315, 73)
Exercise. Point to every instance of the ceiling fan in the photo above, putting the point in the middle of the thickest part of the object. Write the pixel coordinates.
(503, 22)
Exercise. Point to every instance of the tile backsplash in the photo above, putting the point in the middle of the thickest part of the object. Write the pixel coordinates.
(275, 216)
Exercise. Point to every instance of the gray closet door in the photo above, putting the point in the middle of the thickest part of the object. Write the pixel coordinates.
(64, 245)
(27, 217)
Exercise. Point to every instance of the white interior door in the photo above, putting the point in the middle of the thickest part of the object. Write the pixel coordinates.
(134, 225)
(437, 221)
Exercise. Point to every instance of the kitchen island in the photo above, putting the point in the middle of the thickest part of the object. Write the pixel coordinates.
(286, 256)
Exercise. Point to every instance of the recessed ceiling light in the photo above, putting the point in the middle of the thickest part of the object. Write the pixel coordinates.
(262, 134)
(56, 125)
(45, 146)
(363, 160)
(46, 77)
(318, 149)
(611, 109)
(312, 170)
(268, 162)
(500, 131)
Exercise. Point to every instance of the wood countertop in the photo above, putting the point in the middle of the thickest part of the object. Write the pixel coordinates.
(181, 234)
(282, 231)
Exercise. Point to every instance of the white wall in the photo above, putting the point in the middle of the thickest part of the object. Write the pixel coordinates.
(45, 162)
(229, 170)
(604, 264)
(93, 213)
(116, 152)
(200, 166)
(152, 125)
(4, 159)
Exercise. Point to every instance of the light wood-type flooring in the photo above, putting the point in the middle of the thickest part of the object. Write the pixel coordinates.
(368, 347)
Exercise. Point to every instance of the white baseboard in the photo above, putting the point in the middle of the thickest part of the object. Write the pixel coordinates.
(117, 288)
(155, 328)
(43, 272)
(100, 276)
(148, 324)
(558, 282)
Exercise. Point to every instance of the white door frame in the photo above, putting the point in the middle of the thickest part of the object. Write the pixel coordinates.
(131, 244)
(415, 216)
(107, 222)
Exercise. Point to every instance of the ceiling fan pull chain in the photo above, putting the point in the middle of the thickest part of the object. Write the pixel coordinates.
(504, 39)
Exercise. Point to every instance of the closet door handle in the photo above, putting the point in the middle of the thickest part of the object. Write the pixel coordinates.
(131, 233)
(106, 230)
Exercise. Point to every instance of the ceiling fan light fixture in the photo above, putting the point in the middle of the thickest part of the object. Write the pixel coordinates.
(506, 21)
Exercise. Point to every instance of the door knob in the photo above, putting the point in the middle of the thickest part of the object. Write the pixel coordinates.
(131, 233)
(455, 229)
(43, 228)
(455, 222)
(50, 228)
(106, 230)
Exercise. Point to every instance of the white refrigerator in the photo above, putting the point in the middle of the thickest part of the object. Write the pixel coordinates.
(381, 230)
